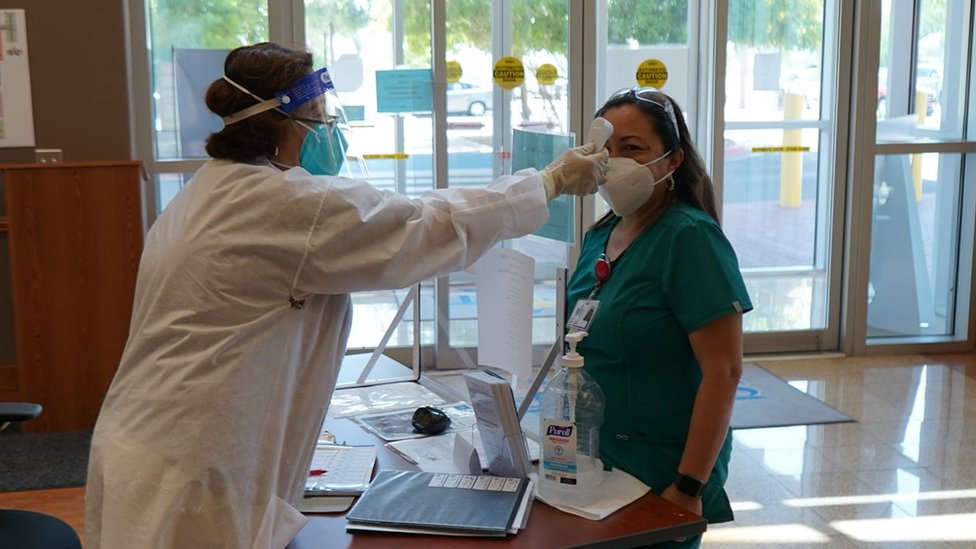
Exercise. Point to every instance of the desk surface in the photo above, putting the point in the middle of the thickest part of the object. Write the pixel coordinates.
(650, 519)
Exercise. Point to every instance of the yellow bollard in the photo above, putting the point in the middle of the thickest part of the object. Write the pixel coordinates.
(791, 163)
(921, 104)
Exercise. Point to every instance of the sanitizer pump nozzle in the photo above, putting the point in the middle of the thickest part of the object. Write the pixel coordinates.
(573, 362)
(572, 359)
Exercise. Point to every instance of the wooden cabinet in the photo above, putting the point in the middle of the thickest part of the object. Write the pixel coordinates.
(75, 235)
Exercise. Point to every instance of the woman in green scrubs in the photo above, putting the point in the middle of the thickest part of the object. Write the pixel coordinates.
(666, 298)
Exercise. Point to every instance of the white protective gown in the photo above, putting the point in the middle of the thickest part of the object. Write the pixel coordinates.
(207, 429)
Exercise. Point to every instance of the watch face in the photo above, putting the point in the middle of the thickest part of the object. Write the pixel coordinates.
(689, 486)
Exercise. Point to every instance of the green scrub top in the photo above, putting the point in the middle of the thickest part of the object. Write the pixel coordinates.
(678, 275)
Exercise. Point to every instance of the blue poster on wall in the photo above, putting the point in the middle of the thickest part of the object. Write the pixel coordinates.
(404, 90)
(538, 150)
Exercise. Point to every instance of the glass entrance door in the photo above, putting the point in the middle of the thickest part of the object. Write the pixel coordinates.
(782, 205)
(920, 265)
(437, 95)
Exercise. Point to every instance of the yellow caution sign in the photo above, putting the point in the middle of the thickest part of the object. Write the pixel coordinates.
(454, 72)
(546, 74)
(509, 72)
(652, 72)
(388, 156)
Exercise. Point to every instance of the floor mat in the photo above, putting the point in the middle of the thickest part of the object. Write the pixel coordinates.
(766, 400)
(43, 460)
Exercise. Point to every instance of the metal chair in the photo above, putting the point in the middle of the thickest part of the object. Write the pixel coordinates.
(29, 529)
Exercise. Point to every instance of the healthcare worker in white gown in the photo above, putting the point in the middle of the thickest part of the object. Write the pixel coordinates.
(242, 309)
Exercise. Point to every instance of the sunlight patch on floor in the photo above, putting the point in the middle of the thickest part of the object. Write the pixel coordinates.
(776, 534)
(880, 498)
(931, 528)
(746, 505)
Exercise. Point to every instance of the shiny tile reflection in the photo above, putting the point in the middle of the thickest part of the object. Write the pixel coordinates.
(903, 475)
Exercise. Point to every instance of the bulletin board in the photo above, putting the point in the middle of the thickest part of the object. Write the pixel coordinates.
(16, 110)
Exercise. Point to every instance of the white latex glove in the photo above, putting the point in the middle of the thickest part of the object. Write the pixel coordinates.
(577, 171)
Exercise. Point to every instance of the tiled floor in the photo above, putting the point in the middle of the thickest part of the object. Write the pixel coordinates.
(903, 475)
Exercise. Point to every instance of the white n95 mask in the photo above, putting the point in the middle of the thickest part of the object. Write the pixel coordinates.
(629, 184)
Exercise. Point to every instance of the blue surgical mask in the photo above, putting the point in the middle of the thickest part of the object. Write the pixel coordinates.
(323, 149)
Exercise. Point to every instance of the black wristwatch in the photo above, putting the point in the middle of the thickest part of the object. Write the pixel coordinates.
(689, 486)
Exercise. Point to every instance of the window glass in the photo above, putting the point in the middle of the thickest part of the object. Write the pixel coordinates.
(912, 90)
(776, 194)
(487, 116)
(914, 236)
(770, 216)
(188, 43)
(168, 184)
(647, 44)
(917, 197)
(378, 55)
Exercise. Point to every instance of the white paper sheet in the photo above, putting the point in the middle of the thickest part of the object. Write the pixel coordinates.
(504, 280)
(619, 489)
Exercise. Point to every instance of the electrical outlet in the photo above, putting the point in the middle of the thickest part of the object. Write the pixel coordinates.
(48, 156)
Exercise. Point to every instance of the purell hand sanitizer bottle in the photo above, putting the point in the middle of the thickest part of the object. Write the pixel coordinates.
(571, 411)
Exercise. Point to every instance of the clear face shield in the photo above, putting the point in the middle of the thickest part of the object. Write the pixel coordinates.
(323, 150)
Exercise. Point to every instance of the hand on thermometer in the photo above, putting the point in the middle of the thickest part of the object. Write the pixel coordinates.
(600, 131)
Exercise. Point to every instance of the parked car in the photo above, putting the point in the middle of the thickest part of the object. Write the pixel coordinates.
(466, 98)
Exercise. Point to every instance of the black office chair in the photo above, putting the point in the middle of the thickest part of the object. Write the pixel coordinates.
(30, 529)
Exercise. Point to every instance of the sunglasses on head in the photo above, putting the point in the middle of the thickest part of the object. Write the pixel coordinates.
(653, 96)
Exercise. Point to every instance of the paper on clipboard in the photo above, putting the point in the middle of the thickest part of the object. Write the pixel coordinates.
(339, 470)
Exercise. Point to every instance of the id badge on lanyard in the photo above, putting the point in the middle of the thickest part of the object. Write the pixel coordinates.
(585, 309)
(583, 314)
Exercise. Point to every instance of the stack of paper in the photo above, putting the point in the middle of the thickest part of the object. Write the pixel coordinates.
(498, 425)
(438, 503)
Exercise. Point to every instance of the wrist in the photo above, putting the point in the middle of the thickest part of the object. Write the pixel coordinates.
(689, 485)
(547, 183)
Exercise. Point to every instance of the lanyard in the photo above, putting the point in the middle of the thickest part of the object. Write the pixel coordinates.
(602, 271)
